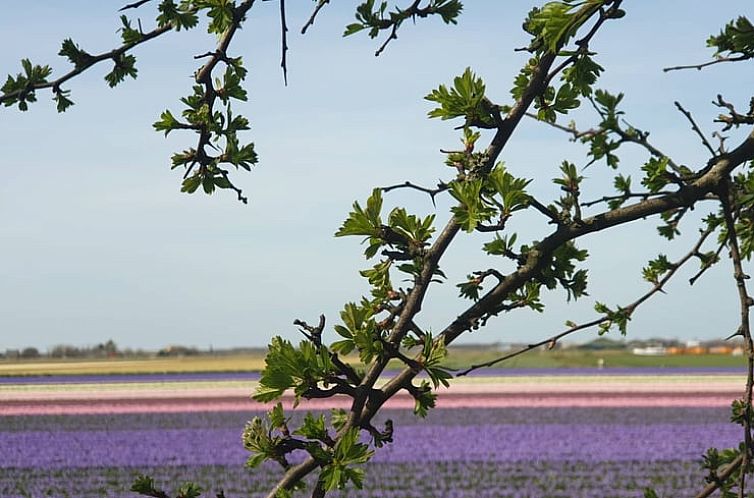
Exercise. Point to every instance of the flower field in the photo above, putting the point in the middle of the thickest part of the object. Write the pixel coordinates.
(542, 434)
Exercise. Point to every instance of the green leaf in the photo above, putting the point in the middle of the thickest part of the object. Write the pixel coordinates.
(582, 75)
(656, 268)
(472, 210)
(555, 23)
(353, 28)
(277, 416)
(288, 367)
(313, 427)
(167, 123)
(364, 221)
(511, 190)
(124, 66)
(62, 101)
(281, 364)
(500, 246)
(189, 490)
(191, 183)
(144, 485)
(470, 289)
(79, 58)
(231, 86)
(465, 99)
(425, 400)
(129, 35)
(656, 175)
(737, 37)
(180, 17)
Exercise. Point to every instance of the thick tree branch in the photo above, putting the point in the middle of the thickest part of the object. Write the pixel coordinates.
(540, 255)
(629, 310)
(722, 477)
(745, 302)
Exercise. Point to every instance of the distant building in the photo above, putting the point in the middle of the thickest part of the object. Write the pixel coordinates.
(650, 351)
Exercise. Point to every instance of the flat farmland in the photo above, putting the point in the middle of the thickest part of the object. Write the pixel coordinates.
(458, 358)
(185, 364)
(509, 433)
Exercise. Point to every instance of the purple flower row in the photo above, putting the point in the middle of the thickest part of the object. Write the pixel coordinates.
(384, 480)
(426, 443)
(401, 417)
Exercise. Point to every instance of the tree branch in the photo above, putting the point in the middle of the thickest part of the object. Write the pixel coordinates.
(630, 309)
(284, 42)
(90, 62)
(701, 66)
(722, 476)
(310, 22)
(745, 302)
(134, 5)
(696, 128)
(441, 187)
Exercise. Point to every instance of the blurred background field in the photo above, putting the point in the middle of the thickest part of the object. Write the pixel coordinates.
(458, 358)
(564, 423)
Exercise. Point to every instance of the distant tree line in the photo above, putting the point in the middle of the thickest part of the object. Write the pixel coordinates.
(110, 349)
(102, 350)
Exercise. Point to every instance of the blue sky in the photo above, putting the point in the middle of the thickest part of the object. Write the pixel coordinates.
(98, 243)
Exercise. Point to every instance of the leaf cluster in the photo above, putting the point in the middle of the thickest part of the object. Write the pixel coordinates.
(216, 130)
(618, 317)
(737, 37)
(145, 486)
(269, 438)
(465, 99)
(480, 199)
(376, 17)
(360, 331)
(562, 271)
(23, 84)
(555, 23)
(288, 367)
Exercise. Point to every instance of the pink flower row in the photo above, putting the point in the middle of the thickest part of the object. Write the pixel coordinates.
(163, 399)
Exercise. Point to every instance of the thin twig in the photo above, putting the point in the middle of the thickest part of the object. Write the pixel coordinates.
(393, 36)
(638, 138)
(629, 195)
(134, 5)
(544, 210)
(284, 41)
(704, 269)
(441, 187)
(695, 127)
(734, 118)
(310, 22)
(707, 64)
(576, 134)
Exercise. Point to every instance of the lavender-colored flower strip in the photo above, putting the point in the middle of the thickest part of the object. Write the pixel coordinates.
(384, 480)
(435, 443)
(401, 418)
(561, 451)
(130, 378)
